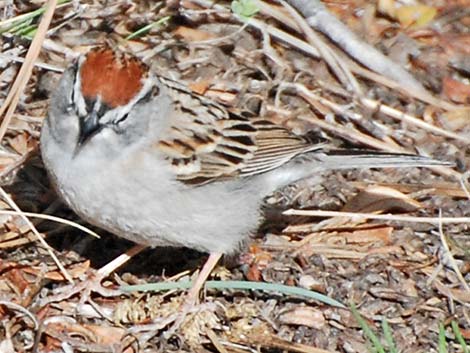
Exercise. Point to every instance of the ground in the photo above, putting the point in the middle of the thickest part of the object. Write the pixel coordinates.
(409, 273)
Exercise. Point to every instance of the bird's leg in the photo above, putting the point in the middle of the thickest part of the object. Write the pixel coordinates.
(193, 295)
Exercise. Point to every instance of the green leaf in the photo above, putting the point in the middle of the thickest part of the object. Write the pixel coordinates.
(244, 8)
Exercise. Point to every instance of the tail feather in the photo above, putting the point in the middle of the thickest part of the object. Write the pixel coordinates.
(346, 159)
(312, 163)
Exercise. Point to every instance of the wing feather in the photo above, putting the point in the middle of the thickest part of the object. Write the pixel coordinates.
(205, 142)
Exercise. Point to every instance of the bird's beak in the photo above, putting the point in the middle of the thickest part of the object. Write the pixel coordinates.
(89, 126)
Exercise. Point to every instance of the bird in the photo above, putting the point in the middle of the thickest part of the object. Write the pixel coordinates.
(146, 158)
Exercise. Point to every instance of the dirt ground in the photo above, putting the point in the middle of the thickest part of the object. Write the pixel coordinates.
(410, 273)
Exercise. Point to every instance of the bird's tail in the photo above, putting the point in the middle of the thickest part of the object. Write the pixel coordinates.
(346, 159)
(312, 163)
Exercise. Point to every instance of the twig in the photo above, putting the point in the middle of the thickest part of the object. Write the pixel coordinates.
(25, 72)
(398, 115)
(22, 309)
(339, 67)
(40, 65)
(318, 16)
(215, 341)
(450, 257)
(464, 183)
(49, 218)
(387, 217)
(390, 82)
(13, 205)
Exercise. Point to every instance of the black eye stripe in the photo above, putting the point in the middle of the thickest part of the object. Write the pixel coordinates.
(121, 119)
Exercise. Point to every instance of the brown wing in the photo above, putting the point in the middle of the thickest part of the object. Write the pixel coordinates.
(205, 142)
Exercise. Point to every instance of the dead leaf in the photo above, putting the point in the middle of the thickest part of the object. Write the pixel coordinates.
(303, 316)
(455, 120)
(106, 334)
(392, 249)
(192, 34)
(456, 91)
(76, 271)
(372, 235)
(19, 143)
(387, 7)
(439, 188)
(379, 199)
(460, 295)
(415, 16)
(259, 262)
(309, 282)
(16, 278)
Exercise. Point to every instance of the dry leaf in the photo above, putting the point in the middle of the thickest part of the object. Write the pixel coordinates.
(16, 278)
(303, 316)
(387, 7)
(259, 262)
(192, 35)
(19, 143)
(456, 91)
(106, 334)
(379, 199)
(460, 295)
(415, 15)
(372, 235)
(75, 271)
(455, 119)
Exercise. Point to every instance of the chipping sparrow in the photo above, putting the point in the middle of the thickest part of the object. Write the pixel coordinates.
(147, 159)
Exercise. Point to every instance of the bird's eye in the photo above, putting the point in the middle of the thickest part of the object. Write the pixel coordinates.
(152, 94)
(121, 119)
(155, 91)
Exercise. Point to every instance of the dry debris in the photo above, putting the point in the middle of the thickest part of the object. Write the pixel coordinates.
(264, 61)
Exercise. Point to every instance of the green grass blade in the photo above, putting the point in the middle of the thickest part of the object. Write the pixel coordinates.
(459, 337)
(28, 31)
(388, 336)
(442, 339)
(13, 24)
(368, 333)
(147, 28)
(244, 285)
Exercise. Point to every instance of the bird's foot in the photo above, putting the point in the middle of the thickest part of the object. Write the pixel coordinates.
(190, 304)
